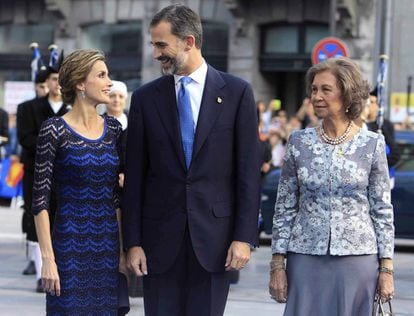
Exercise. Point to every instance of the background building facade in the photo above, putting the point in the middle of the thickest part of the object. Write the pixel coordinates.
(268, 43)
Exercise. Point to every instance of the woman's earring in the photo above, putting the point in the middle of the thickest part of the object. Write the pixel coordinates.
(347, 110)
(82, 94)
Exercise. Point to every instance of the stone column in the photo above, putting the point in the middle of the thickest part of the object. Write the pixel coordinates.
(244, 45)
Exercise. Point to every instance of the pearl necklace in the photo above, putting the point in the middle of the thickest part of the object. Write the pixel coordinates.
(338, 140)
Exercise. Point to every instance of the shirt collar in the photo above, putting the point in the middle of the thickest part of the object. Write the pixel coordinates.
(199, 75)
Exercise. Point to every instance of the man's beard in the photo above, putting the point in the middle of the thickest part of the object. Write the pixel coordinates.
(172, 69)
(175, 67)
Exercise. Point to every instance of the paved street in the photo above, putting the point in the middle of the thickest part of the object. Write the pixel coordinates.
(248, 297)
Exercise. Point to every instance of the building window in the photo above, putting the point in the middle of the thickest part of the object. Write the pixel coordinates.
(17, 38)
(215, 44)
(313, 34)
(113, 38)
(281, 40)
(292, 38)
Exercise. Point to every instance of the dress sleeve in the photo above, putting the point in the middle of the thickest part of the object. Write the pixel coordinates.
(379, 195)
(287, 201)
(47, 143)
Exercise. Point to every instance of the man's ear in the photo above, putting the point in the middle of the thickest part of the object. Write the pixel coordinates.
(190, 42)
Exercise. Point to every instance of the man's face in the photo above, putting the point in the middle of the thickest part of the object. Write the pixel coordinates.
(41, 89)
(168, 49)
(373, 108)
(53, 84)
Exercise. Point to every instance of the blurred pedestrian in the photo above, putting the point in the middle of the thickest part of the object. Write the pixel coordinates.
(23, 116)
(265, 153)
(41, 87)
(333, 219)
(306, 114)
(30, 116)
(387, 129)
(78, 154)
(116, 108)
(265, 115)
(12, 148)
(192, 174)
(4, 130)
(278, 147)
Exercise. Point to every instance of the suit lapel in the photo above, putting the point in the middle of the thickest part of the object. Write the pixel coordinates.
(211, 106)
(166, 105)
(63, 110)
(46, 108)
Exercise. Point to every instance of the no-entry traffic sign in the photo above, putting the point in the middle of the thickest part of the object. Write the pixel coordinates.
(328, 47)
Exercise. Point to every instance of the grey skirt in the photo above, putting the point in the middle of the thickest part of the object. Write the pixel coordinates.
(331, 285)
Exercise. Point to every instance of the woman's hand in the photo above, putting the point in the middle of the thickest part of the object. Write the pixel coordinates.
(278, 285)
(385, 287)
(50, 277)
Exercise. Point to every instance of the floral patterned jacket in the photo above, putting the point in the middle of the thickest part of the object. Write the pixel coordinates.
(334, 199)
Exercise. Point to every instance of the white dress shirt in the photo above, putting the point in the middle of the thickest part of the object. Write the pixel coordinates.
(195, 89)
(55, 105)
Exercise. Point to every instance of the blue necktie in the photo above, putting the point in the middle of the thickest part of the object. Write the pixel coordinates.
(186, 119)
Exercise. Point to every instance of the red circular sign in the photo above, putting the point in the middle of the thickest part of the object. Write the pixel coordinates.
(328, 47)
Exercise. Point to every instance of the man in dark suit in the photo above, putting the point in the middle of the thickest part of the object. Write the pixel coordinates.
(23, 114)
(30, 116)
(191, 194)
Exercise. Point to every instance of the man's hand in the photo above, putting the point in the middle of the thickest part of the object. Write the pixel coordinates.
(237, 255)
(265, 167)
(136, 261)
(121, 179)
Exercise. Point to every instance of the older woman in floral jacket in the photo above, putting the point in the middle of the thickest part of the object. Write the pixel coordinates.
(333, 219)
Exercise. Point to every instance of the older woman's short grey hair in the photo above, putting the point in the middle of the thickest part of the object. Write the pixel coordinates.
(354, 89)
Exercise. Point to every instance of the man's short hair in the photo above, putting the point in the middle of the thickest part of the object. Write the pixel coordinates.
(183, 20)
(41, 76)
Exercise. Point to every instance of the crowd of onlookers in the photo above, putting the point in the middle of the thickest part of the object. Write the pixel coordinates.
(275, 127)
(404, 125)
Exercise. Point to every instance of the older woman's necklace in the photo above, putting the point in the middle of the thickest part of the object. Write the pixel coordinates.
(338, 140)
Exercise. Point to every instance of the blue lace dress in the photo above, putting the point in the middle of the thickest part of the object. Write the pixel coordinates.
(84, 174)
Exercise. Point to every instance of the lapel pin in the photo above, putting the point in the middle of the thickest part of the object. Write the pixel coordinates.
(219, 100)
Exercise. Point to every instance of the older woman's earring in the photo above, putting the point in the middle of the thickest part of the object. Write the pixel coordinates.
(82, 93)
(347, 110)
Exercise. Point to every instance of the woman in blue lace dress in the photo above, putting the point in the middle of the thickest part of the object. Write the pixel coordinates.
(78, 154)
(333, 221)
